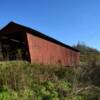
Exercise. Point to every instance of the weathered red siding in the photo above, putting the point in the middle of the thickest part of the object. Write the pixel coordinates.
(45, 52)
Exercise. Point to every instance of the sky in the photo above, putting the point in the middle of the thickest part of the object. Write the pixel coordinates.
(69, 21)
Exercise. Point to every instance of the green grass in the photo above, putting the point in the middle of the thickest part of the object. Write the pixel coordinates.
(24, 81)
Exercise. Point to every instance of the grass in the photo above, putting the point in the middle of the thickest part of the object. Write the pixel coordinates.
(24, 81)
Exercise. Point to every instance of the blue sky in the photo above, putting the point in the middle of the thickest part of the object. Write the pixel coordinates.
(68, 21)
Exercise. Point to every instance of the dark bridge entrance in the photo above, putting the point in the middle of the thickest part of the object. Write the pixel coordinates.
(12, 47)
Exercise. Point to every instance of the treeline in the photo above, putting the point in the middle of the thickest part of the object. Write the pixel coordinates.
(87, 54)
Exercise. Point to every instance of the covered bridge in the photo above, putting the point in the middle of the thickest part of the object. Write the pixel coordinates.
(18, 42)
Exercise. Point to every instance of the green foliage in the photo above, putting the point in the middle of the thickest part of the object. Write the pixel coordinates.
(9, 94)
(24, 81)
(88, 54)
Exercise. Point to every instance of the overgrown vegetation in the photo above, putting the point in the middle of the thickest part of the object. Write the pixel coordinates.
(24, 81)
(88, 54)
